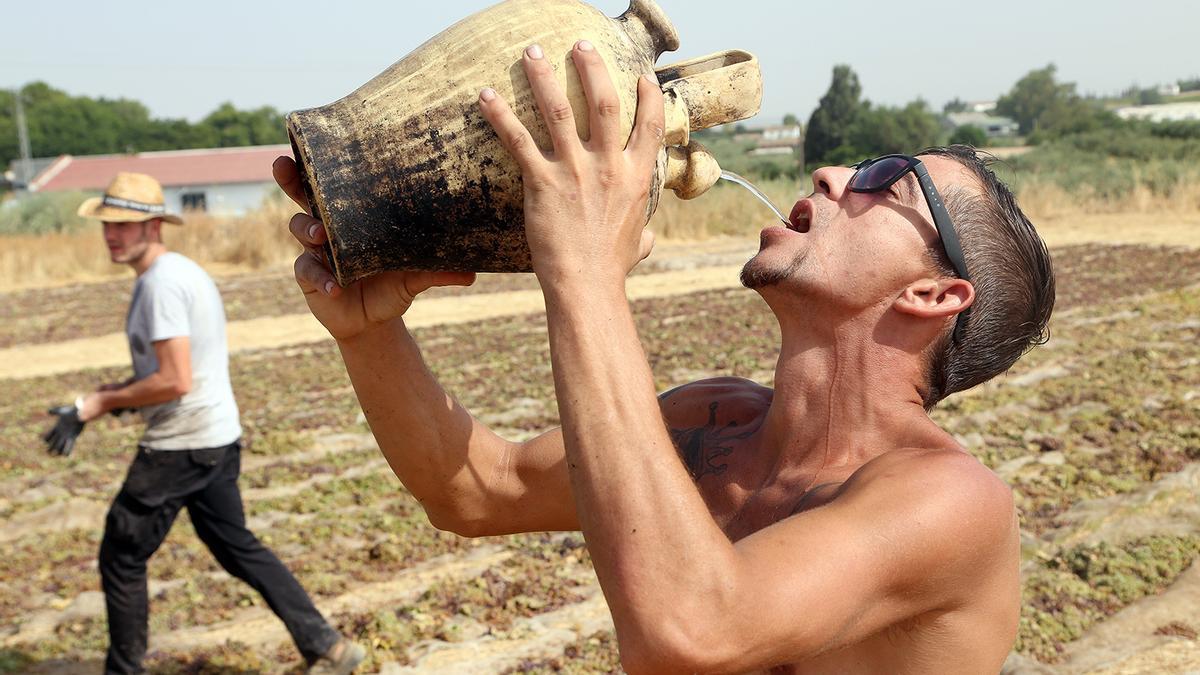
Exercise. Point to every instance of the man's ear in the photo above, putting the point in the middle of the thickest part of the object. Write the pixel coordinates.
(152, 229)
(935, 298)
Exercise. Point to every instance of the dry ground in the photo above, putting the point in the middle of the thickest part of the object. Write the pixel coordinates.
(1098, 432)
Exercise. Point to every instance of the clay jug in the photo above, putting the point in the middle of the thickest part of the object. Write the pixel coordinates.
(407, 174)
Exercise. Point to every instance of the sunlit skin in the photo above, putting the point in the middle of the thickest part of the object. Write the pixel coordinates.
(826, 525)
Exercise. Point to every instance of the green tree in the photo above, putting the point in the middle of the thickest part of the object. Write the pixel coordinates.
(231, 127)
(829, 126)
(790, 120)
(955, 105)
(1149, 96)
(1041, 104)
(881, 130)
(59, 123)
(969, 134)
(1032, 96)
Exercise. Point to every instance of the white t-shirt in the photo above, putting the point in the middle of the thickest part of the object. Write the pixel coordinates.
(177, 298)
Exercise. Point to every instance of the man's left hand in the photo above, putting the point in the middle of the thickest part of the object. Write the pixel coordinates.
(585, 202)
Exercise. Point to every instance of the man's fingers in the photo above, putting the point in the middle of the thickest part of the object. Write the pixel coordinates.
(512, 133)
(604, 106)
(287, 175)
(648, 126)
(551, 102)
(307, 230)
(314, 277)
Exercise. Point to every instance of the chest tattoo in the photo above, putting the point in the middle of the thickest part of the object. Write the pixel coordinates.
(703, 447)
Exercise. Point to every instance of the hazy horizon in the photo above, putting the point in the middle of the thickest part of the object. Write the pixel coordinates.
(181, 62)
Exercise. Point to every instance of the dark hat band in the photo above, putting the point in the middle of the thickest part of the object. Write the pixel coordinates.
(120, 203)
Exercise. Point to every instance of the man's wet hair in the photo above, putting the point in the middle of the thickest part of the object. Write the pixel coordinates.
(1013, 278)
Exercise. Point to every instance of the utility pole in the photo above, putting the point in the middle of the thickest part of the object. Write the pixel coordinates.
(23, 167)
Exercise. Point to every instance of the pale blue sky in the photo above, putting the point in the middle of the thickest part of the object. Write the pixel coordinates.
(184, 59)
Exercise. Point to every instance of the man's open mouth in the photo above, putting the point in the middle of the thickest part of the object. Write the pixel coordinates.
(801, 217)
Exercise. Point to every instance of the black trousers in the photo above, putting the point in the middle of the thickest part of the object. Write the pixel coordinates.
(158, 485)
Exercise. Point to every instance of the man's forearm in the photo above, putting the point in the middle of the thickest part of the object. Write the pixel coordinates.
(655, 545)
(428, 438)
(152, 390)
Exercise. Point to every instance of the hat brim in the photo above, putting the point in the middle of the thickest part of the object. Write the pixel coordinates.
(96, 209)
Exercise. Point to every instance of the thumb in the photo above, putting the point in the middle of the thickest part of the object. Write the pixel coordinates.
(646, 246)
(419, 282)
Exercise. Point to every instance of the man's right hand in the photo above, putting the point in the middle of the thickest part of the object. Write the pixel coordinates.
(60, 440)
(350, 311)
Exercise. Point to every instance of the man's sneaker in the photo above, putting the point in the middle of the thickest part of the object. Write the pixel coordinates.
(341, 659)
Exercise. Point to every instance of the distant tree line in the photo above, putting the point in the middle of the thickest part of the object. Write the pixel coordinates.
(59, 123)
(846, 128)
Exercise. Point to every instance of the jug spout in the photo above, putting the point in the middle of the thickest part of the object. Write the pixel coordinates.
(691, 170)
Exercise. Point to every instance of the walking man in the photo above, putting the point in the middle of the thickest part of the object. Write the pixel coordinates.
(190, 453)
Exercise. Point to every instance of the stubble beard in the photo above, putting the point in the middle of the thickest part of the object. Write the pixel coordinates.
(756, 274)
(134, 253)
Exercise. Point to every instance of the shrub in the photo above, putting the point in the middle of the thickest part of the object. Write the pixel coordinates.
(969, 134)
(42, 213)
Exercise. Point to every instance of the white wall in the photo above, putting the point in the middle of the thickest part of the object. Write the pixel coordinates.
(1166, 112)
(222, 200)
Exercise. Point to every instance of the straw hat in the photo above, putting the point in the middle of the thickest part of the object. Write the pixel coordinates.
(130, 198)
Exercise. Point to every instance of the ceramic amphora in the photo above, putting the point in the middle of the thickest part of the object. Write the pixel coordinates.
(407, 174)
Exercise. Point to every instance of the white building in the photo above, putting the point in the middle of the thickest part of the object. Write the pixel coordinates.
(223, 181)
(1166, 112)
(785, 139)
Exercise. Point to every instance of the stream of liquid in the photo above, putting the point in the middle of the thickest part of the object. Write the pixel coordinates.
(734, 178)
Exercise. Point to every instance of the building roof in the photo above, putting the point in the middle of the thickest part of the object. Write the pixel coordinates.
(172, 168)
(981, 120)
(36, 166)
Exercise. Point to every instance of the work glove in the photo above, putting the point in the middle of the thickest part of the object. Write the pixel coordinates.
(60, 440)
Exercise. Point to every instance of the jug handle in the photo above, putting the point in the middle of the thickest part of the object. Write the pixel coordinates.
(709, 91)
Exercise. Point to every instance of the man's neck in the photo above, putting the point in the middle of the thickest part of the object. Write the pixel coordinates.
(842, 398)
(143, 263)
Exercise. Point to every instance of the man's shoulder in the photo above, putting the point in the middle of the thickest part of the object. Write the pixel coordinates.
(950, 470)
(175, 271)
(731, 396)
(946, 487)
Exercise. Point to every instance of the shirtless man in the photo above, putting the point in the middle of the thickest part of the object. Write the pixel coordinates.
(839, 530)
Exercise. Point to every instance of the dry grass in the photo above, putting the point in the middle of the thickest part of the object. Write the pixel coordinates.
(1141, 217)
(260, 239)
(256, 241)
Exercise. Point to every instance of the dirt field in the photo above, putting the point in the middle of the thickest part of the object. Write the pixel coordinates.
(1098, 433)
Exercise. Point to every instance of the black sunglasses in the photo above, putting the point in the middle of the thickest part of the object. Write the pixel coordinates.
(876, 175)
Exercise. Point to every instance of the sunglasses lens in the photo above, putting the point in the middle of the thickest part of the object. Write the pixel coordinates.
(879, 173)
